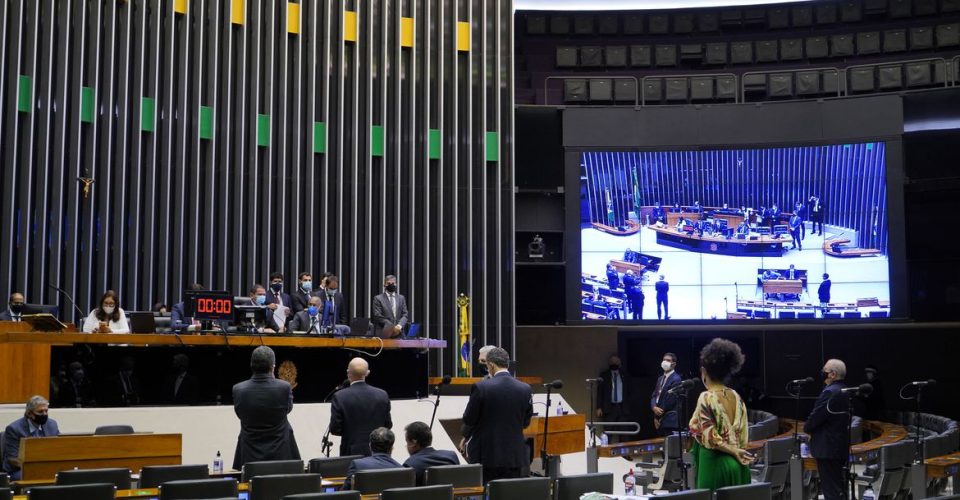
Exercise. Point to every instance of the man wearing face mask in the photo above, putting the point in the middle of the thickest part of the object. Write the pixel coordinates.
(308, 320)
(390, 314)
(300, 297)
(827, 427)
(482, 359)
(34, 423)
(14, 308)
(333, 314)
(662, 403)
(77, 392)
(258, 296)
(278, 302)
(612, 395)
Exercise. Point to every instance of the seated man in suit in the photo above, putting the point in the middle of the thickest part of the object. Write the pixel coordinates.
(743, 228)
(658, 215)
(390, 314)
(422, 455)
(381, 444)
(34, 423)
(308, 320)
(14, 308)
(178, 318)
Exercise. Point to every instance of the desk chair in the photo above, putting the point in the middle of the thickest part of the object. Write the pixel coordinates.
(437, 492)
(101, 491)
(775, 467)
(198, 488)
(688, 495)
(4, 477)
(105, 430)
(332, 466)
(667, 474)
(369, 482)
(118, 477)
(852, 314)
(277, 486)
(572, 487)
(270, 468)
(755, 491)
(459, 476)
(6, 494)
(530, 488)
(336, 495)
(152, 476)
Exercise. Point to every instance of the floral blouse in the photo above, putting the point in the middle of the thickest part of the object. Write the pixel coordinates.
(713, 428)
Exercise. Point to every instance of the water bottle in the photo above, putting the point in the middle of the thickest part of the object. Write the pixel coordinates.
(868, 494)
(804, 450)
(604, 439)
(629, 483)
(559, 409)
(218, 463)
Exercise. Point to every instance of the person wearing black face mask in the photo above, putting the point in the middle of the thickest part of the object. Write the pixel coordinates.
(482, 359)
(14, 308)
(278, 302)
(34, 423)
(390, 313)
(827, 427)
(612, 395)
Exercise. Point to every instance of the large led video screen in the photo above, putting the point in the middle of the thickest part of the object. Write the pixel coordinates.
(793, 232)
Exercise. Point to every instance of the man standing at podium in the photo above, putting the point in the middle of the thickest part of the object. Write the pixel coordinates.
(34, 423)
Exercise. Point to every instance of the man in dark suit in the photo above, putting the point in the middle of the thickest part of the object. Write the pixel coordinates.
(357, 410)
(123, 388)
(657, 215)
(823, 292)
(300, 298)
(262, 404)
(815, 209)
(663, 404)
(307, 320)
(662, 288)
(795, 225)
(612, 394)
(178, 318)
(613, 278)
(34, 423)
(181, 388)
(390, 314)
(827, 427)
(77, 392)
(636, 298)
(422, 455)
(278, 302)
(498, 410)
(333, 314)
(801, 210)
(14, 308)
(381, 444)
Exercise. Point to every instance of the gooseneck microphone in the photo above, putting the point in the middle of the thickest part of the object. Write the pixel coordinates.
(436, 403)
(802, 381)
(598, 380)
(556, 384)
(924, 383)
(70, 298)
(684, 385)
(860, 390)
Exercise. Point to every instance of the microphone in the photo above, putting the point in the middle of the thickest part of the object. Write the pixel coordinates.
(860, 390)
(344, 384)
(924, 383)
(801, 381)
(684, 385)
(597, 380)
(446, 380)
(556, 384)
(67, 295)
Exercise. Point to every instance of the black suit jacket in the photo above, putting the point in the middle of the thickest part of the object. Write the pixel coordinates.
(828, 429)
(383, 316)
(178, 317)
(498, 410)
(76, 395)
(262, 404)
(340, 307)
(605, 390)
(354, 413)
(187, 394)
(373, 462)
(17, 429)
(299, 300)
(429, 457)
(823, 292)
(6, 315)
(666, 401)
(301, 323)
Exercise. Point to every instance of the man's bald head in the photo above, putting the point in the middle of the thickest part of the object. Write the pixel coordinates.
(358, 369)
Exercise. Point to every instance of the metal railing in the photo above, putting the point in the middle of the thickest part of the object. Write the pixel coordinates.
(932, 60)
(636, 86)
(688, 77)
(840, 85)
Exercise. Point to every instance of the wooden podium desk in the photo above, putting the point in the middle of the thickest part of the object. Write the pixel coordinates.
(43, 457)
(565, 434)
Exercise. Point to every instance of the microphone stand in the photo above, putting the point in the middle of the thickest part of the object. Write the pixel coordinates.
(544, 458)
(684, 466)
(70, 298)
(326, 444)
(593, 413)
(851, 475)
(436, 403)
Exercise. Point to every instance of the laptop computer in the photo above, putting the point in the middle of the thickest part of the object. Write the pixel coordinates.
(142, 322)
(359, 327)
(413, 332)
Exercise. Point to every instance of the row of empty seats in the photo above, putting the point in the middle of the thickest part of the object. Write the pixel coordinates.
(891, 41)
(714, 20)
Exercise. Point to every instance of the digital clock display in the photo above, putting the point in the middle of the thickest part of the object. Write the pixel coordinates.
(209, 305)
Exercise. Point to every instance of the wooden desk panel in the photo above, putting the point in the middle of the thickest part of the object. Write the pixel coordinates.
(145, 339)
(42, 458)
(474, 380)
(794, 287)
(944, 466)
(566, 434)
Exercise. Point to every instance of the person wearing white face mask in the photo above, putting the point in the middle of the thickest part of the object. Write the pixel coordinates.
(108, 317)
(662, 403)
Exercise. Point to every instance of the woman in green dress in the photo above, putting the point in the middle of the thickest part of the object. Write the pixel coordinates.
(719, 422)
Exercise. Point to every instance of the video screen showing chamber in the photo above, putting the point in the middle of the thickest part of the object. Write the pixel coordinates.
(751, 233)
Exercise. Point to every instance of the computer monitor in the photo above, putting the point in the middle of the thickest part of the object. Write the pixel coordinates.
(208, 305)
(780, 229)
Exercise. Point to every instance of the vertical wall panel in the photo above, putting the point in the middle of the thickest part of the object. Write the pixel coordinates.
(227, 140)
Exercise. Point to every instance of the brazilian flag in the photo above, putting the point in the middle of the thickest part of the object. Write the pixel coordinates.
(465, 367)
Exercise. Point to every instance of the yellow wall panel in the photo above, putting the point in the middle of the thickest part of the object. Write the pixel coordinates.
(293, 18)
(238, 13)
(463, 37)
(349, 26)
(180, 6)
(406, 32)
